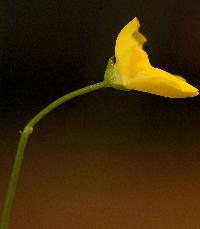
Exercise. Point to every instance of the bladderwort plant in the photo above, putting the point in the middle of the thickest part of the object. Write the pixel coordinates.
(131, 71)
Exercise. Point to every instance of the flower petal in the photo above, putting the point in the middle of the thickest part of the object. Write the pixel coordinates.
(159, 82)
(125, 39)
(130, 57)
(130, 62)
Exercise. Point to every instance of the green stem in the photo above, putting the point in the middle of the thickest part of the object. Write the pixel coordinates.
(22, 145)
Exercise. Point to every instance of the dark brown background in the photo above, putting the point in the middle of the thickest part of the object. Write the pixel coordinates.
(110, 159)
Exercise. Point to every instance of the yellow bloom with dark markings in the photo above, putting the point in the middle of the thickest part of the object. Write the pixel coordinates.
(133, 70)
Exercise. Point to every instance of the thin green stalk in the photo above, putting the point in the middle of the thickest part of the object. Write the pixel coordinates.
(22, 145)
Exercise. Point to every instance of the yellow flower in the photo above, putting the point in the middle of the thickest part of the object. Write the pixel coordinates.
(133, 70)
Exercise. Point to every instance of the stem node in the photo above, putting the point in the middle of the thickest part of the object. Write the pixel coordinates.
(28, 130)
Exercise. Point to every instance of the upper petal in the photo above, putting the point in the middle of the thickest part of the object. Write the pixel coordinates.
(130, 62)
(159, 82)
(125, 38)
(130, 57)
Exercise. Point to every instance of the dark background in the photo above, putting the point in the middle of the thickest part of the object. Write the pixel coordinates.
(110, 159)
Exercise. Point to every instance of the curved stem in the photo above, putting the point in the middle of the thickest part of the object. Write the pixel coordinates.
(22, 145)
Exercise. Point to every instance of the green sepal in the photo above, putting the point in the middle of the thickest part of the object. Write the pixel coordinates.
(110, 75)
